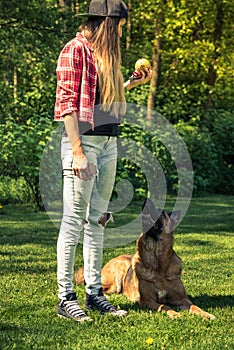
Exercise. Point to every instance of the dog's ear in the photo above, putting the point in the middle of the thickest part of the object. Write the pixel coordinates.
(148, 208)
(144, 204)
(174, 220)
(147, 205)
(151, 223)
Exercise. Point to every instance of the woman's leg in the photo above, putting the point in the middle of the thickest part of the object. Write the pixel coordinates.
(85, 203)
(99, 201)
(76, 195)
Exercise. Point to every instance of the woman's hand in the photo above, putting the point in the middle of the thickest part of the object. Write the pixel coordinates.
(81, 166)
(145, 76)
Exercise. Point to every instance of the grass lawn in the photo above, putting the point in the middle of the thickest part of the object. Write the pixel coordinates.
(28, 292)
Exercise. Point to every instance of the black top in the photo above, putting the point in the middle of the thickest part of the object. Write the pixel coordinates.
(104, 123)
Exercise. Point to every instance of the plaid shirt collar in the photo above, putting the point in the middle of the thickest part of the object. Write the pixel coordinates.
(83, 39)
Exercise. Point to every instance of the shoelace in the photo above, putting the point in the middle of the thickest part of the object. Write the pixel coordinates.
(74, 309)
(103, 303)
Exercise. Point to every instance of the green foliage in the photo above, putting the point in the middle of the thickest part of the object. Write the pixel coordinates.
(22, 146)
(195, 42)
(27, 57)
(14, 190)
(194, 92)
(211, 150)
(222, 131)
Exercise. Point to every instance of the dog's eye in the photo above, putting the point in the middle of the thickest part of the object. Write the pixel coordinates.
(158, 227)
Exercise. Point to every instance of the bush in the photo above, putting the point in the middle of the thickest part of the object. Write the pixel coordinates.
(222, 130)
(211, 147)
(23, 144)
(14, 191)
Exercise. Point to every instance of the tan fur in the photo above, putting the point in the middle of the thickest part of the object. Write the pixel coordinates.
(150, 277)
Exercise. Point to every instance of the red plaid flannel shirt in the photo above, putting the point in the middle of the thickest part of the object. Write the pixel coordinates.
(76, 80)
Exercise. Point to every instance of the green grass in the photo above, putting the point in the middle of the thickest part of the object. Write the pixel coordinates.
(28, 292)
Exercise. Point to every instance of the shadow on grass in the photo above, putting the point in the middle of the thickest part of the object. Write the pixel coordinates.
(213, 301)
(203, 301)
(8, 327)
(21, 225)
(210, 215)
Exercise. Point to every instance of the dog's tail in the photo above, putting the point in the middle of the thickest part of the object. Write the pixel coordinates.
(79, 276)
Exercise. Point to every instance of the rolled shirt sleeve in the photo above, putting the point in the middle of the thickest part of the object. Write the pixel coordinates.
(76, 80)
(69, 72)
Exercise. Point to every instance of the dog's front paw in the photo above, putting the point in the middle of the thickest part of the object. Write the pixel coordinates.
(208, 316)
(173, 314)
(196, 310)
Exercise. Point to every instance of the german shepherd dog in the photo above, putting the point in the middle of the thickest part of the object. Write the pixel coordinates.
(151, 276)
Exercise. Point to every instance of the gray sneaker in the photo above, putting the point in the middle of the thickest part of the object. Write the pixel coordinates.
(69, 308)
(99, 302)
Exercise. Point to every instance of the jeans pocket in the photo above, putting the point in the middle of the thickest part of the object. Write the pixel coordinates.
(67, 162)
(66, 150)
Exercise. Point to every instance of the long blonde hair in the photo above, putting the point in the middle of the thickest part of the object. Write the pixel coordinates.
(103, 35)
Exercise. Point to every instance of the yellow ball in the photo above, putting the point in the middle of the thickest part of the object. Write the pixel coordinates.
(142, 64)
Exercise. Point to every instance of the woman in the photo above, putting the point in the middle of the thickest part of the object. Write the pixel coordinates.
(90, 101)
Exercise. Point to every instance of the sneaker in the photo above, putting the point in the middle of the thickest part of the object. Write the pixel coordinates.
(99, 302)
(69, 308)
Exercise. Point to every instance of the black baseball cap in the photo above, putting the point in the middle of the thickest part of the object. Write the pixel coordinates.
(106, 8)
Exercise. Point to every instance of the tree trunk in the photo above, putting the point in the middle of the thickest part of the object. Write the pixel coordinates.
(15, 84)
(155, 74)
(212, 75)
(159, 15)
(155, 66)
(65, 4)
(129, 25)
(15, 92)
(75, 6)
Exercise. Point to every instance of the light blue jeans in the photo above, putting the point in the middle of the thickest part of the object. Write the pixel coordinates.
(84, 203)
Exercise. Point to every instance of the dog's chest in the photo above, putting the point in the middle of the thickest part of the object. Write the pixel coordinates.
(161, 294)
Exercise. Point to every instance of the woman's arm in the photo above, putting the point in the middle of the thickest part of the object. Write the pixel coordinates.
(80, 165)
(69, 72)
